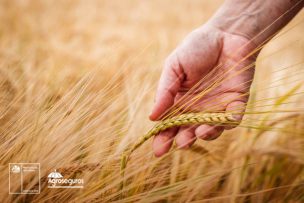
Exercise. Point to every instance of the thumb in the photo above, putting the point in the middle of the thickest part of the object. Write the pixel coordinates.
(169, 84)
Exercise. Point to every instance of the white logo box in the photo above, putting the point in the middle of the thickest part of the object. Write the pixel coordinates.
(19, 173)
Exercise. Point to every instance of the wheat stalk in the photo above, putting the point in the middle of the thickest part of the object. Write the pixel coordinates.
(180, 120)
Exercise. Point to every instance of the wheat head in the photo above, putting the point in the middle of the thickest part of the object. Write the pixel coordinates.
(180, 120)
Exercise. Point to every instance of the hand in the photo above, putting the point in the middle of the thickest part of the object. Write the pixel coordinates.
(207, 56)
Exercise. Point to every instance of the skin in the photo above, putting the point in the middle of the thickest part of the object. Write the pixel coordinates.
(221, 50)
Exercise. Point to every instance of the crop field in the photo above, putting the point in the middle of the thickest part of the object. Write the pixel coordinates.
(77, 84)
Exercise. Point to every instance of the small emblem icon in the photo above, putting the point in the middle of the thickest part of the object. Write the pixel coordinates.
(55, 175)
(16, 169)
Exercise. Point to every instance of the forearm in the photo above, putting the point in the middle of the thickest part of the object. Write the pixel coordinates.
(257, 20)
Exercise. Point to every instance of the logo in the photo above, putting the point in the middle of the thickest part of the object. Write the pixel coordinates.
(16, 169)
(55, 175)
(21, 177)
(56, 180)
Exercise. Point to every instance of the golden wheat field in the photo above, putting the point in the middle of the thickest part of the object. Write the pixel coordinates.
(77, 84)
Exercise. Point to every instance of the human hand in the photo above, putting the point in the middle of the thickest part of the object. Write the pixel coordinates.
(209, 71)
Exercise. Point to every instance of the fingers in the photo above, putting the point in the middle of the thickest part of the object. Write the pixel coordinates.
(185, 137)
(163, 142)
(207, 132)
(169, 84)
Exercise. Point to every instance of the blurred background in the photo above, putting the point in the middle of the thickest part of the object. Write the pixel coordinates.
(77, 84)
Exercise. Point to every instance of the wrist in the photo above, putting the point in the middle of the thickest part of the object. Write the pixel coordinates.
(258, 21)
(240, 19)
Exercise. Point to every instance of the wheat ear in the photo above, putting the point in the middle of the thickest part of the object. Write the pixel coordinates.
(181, 120)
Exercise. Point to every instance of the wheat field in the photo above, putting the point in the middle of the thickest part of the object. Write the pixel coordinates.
(77, 84)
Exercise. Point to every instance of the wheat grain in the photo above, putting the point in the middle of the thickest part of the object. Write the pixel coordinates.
(181, 120)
